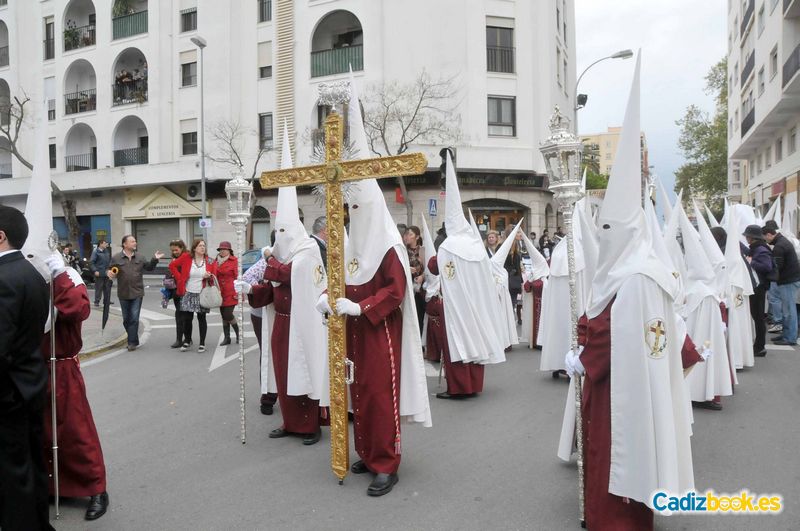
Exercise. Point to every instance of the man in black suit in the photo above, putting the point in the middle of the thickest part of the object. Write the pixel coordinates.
(319, 231)
(24, 308)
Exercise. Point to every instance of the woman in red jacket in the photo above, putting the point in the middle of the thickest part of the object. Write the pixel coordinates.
(190, 271)
(226, 269)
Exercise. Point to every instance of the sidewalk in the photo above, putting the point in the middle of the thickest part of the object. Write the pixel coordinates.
(96, 340)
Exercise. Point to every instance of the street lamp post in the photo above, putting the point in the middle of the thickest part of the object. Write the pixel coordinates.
(622, 54)
(200, 42)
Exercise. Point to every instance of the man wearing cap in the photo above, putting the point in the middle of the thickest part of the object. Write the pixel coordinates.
(759, 256)
(788, 282)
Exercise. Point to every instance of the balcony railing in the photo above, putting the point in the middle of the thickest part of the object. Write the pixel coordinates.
(337, 60)
(5, 171)
(49, 49)
(3, 55)
(747, 17)
(84, 161)
(747, 69)
(791, 66)
(81, 101)
(130, 156)
(264, 10)
(748, 121)
(129, 25)
(75, 38)
(500, 59)
(134, 91)
(51, 110)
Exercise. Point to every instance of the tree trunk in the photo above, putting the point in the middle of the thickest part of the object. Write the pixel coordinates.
(409, 205)
(69, 208)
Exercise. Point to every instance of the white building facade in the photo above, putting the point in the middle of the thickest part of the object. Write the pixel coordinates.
(122, 85)
(763, 101)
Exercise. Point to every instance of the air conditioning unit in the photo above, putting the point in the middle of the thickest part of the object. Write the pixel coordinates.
(193, 192)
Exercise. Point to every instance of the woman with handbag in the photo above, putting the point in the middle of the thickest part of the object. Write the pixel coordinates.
(191, 272)
(226, 269)
(183, 330)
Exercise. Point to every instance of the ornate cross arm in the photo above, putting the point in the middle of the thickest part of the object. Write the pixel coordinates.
(307, 175)
(396, 166)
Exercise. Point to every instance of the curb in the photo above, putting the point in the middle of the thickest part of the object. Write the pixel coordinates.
(116, 343)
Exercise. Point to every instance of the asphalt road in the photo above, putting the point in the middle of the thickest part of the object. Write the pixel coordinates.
(170, 433)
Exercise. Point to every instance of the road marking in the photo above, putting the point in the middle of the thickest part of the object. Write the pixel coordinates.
(220, 359)
(148, 314)
(143, 338)
(780, 347)
(430, 370)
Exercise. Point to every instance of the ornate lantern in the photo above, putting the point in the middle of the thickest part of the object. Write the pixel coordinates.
(562, 152)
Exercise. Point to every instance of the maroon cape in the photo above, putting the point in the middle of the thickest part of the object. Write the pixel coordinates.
(301, 414)
(537, 286)
(436, 337)
(462, 378)
(81, 469)
(374, 345)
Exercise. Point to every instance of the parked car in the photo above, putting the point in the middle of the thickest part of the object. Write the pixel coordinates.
(249, 258)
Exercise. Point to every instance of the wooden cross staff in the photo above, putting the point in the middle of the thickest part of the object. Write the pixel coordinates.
(332, 174)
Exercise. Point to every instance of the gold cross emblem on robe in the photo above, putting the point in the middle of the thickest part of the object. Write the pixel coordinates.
(332, 174)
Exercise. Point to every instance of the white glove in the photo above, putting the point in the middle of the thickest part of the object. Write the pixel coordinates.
(240, 286)
(55, 264)
(322, 305)
(573, 363)
(347, 307)
(705, 351)
(266, 252)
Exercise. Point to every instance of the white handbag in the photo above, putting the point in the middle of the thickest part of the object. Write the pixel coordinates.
(211, 296)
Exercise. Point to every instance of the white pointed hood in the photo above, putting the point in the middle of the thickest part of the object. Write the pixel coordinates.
(745, 215)
(712, 221)
(290, 234)
(472, 224)
(713, 252)
(39, 205)
(700, 279)
(666, 205)
(624, 241)
(432, 282)
(738, 274)
(539, 267)
(499, 257)
(461, 238)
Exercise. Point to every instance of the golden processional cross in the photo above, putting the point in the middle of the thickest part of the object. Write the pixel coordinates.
(332, 174)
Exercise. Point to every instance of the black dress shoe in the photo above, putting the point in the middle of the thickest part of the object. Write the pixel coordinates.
(382, 484)
(98, 504)
(781, 342)
(226, 341)
(266, 409)
(761, 353)
(444, 395)
(312, 438)
(278, 433)
(177, 344)
(708, 404)
(359, 467)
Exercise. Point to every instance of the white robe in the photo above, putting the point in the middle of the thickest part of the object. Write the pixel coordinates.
(740, 329)
(554, 324)
(712, 378)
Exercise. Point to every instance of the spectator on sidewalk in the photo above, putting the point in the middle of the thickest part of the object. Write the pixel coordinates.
(98, 263)
(183, 326)
(190, 271)
(127, 268)
(759, 256)
(226, 269)
(319, 231)
(788, 282)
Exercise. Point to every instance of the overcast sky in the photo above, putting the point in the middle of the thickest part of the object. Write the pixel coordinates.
(679, 39)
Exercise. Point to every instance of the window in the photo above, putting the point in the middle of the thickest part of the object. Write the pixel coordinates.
(558, 19)
(736, 121)
(792, 140)
(773, 62)
(768, 157)
(730, 127)
(500, 49)
(736, 71)
(264, 60)
(761, 81)
(189, 74)
(264, 10)
(772, 4)
(265, 129)
(189, 143)
(502, 116)
(52, 156)
(761, 20)
(779, 150)
(189, 19)
(759, 163)
(558, 70)
(565, 73)
(608, 155)
(49, 39)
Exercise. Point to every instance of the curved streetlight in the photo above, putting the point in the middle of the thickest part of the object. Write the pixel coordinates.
(622, 54)
(201, 43)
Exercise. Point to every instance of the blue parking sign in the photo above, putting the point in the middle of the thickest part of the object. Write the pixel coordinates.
(432, 208)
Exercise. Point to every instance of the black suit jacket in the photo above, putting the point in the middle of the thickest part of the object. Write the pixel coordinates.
(24, 307)
(323, 250)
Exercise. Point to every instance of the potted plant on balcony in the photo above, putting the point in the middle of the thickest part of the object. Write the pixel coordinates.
(123, 7)
(71, 36)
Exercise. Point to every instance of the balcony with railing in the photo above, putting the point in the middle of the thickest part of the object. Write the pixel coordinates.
(500, 59)
(748, 67)
(5, 170)
(80, 162)
(791, 8)
(133, 91)
(747, 17)
(748, 121)
(49, 49)
(129, 25)
(791, 66)
(337, 60)
(264, 10)
(130, 156)
(79, 37)
(80, 101)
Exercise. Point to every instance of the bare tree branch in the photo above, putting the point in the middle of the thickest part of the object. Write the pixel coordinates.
(229, 138)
